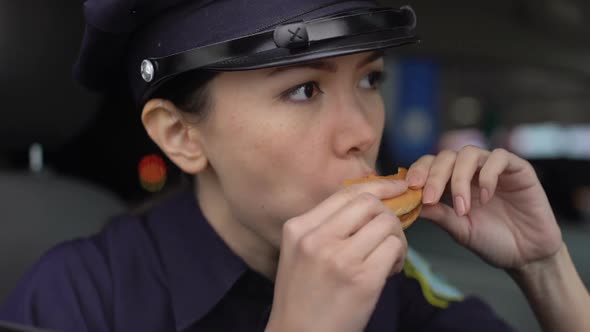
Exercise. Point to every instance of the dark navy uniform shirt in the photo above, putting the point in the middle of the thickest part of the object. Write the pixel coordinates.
(167, 270)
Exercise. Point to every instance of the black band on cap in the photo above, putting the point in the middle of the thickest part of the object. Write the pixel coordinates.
(294, 36)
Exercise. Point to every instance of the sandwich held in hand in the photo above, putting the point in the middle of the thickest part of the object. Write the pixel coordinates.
(406, 206)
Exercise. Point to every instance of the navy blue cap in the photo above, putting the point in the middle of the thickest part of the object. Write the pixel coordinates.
(121, 34)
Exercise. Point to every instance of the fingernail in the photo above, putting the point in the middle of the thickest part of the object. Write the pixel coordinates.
(460, 205)
(484, 196)
(428, 195)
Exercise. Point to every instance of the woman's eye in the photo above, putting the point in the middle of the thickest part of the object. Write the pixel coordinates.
(372, 80)
(303, 92)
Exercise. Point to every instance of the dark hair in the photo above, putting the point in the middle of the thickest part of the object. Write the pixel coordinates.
(189, 92)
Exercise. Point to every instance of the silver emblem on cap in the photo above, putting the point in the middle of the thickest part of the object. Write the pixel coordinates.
(147, 70)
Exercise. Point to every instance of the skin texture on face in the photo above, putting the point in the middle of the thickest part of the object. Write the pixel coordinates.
(275, 156)
(278, 142)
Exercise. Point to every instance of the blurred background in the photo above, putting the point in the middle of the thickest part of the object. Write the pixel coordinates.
(511, 74)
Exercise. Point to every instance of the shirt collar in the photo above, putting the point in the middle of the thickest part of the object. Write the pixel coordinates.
(199, 267)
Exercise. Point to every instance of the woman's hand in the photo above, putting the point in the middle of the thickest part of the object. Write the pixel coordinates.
(500, 210)
(335, 260)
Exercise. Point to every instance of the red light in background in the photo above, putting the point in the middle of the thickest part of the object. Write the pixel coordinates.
(152, 173)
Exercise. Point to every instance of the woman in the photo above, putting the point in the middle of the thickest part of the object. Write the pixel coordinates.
(270, 116)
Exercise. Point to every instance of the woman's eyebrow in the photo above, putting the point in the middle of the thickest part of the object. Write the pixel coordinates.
(370, 58)
(319, 65)
(326, 65)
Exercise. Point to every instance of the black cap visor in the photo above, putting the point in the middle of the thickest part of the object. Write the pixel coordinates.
(290, 44)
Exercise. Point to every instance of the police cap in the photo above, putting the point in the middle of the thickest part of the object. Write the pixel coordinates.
(141, 44)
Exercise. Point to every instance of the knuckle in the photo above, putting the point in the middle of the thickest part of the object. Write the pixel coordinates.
(422, 165)
(399, 265)
(390, 222)
(324, 255)
(530, 168)
(339, 267)
(447, 155)
(424, 158)
(501, 152)
(470, 149)
(418, 169)
(291, 229)
(367, 200)
(291, 224)
(398, 246)
(308, 246)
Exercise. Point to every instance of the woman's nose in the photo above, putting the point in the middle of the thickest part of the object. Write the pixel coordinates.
(357, 128)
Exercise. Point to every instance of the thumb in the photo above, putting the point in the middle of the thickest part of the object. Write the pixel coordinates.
(445, 217)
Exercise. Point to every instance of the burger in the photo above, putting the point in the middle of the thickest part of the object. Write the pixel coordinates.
(406, 206)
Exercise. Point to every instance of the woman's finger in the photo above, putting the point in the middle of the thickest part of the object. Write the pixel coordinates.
(444, 216)
(369, 237)
(496, 164)
(469, 160)
(353, 216)
(418, 171)
(380, 189)
(388, 258)
(438, 176)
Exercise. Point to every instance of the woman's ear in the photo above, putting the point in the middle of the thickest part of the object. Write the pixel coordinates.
(180, 141)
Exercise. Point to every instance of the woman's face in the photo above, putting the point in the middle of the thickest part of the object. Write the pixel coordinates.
(279, 141)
